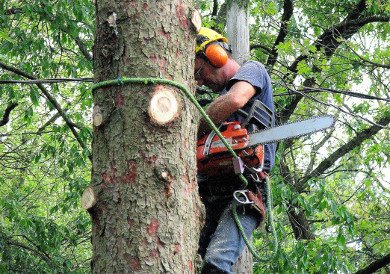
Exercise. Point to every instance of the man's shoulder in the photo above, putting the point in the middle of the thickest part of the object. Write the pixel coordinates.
(252, 72)
(252, 67)
(253, 63)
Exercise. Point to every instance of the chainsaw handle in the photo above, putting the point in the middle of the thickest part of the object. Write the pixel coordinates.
(258, 109)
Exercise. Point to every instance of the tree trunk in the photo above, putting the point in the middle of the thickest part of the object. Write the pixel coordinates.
(238, 35)
(238, 29)
(244, 264)
(143, 198)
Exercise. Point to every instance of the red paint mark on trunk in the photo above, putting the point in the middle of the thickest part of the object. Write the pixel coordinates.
(106, 178)
(146, 6)
(190, 266)
(181, 15)
(133, 262)
(119, 100)
(178, 53)
(164, 33)
(148, 159)
(153, 226)
(188, 186)
(131, 174)
(109, 176)
(130, 221)
(177, 248)
(154, 59)
(144, 242)
(154, 253)
(162, 63)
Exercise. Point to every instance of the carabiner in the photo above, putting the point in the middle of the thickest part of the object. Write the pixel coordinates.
(241, 197)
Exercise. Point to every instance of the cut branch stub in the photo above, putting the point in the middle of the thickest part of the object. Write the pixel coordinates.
(163, 106)
(88, 200)
(196, 20)
(97, 116)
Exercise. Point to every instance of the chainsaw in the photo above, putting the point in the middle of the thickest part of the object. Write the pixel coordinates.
(213, 157)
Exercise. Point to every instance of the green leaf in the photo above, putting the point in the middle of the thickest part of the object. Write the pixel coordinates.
(4, 35)
(34, 96)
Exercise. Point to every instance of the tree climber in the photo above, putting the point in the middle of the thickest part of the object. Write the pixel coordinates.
(239, 89)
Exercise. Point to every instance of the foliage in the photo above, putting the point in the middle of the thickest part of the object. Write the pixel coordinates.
(44, 171)
(324, 219)
(44, 154)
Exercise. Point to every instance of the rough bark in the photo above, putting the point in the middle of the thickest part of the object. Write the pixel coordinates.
(147, 213)
(244, 264)
(238, 30)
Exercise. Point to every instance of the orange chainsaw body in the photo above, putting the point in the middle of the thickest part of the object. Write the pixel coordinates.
(214, 158)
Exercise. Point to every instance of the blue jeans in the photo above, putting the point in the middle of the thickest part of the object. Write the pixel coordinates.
(226, 243)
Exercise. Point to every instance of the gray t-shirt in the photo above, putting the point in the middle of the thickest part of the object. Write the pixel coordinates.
(255, 74)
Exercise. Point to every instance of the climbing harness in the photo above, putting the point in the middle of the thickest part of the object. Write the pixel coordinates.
(238, 195)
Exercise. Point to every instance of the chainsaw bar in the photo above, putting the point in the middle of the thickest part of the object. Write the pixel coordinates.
(291, 130)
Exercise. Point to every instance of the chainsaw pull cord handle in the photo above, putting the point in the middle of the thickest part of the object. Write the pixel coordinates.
(151, 81)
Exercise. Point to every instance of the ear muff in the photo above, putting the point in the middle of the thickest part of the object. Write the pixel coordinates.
(217, 55)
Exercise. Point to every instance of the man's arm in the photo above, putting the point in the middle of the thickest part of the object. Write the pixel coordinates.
(224, 106)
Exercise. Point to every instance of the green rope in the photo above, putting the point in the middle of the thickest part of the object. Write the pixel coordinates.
(190, 96)
(270, 219)
(146, 81)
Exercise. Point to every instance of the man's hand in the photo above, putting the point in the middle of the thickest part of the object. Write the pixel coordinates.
(224, 106)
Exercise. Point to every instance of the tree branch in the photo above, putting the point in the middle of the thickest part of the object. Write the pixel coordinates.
(42, 255)
(259, 46)
(215, 8)
(343, 150)
(376, 265)
(387, 66)
(314, 151)
(46, 81)
(283, 31)
(299, 223)
(12, 11)
(82, 47)
(7, 112)
(51, 99)
(301, 94)
(335, 36)
(330, 40)
(296, 215)
(317, 90)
